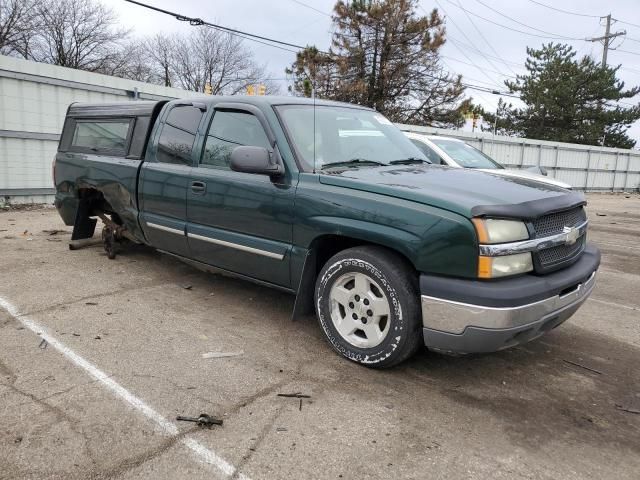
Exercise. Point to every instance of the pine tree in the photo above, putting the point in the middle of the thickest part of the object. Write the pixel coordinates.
(385, 56)
(568, 100)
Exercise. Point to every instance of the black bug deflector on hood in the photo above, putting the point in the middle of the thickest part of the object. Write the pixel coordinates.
(532, 209)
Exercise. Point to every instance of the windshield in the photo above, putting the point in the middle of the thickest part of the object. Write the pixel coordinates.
(344, 134)
(465, 155)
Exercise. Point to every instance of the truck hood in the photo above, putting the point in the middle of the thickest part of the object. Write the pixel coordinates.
(463, 191)
(529, 175)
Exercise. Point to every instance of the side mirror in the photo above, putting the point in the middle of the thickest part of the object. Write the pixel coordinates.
(255, 160)
(543, 171)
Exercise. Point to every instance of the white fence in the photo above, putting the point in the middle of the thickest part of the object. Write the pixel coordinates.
(33, 101)
(585, 167)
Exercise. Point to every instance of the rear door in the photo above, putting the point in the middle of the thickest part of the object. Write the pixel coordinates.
(237, 221)
(165, 177)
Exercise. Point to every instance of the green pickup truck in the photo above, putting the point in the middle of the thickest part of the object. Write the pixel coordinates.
(331, 202)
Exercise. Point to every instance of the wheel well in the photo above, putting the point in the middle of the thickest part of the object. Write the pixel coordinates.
(98, 204)
(327, 246)
(322, 249)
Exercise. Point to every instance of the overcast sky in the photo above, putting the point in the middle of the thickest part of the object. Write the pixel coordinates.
(483, 52)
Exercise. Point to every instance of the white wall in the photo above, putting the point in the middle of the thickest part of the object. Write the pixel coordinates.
(33, 101)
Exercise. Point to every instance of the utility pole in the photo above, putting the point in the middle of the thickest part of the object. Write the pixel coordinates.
(606, 38)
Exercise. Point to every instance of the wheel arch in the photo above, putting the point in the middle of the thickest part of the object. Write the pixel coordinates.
(320, 250)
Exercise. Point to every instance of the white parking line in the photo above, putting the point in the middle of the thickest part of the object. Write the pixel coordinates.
(614, 304)
(169, 428)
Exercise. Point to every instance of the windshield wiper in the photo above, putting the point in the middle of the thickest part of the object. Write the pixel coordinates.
(409, 161)
(351, 163)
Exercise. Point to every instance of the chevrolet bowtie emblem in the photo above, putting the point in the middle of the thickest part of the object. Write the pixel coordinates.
(572, 235)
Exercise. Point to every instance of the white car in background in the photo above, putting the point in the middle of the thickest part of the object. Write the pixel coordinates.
(458, 154)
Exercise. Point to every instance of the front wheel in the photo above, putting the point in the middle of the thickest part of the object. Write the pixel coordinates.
(368, 306)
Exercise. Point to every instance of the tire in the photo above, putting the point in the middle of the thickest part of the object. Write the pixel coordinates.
(350, 295)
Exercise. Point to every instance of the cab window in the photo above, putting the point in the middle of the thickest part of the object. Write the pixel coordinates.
(230, 129)
(178, 134)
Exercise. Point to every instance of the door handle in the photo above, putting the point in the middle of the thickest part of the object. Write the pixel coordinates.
(198, 187)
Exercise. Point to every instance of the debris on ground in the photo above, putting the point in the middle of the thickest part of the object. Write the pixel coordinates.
(187, 286)
(54, 231)
(203, 420)
(75, 334)
(281, 429)
(628, 409)
(601, 214)
(222, 354)
(90, 303)
(583, 366)
(293, 395)
(43, 344)
(97, 337)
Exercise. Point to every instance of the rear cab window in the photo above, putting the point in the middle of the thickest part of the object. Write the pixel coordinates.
(116, 137)
(118, 129)
(101, 136)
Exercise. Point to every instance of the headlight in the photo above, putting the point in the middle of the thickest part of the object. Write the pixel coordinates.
(491, 230)
(494, 267)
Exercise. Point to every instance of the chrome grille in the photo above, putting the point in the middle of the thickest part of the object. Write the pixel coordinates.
(553, 223)
(554, 255)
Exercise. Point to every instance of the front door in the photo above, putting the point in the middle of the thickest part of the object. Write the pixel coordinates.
(237, 221)
(164, 182)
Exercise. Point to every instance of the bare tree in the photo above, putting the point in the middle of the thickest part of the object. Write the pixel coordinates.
(85, 34)
(159, 51)
(79, 34)
(131, 61)
(217, 58)
(17, 25)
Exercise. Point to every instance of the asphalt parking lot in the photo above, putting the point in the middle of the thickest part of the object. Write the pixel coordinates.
(119, 355)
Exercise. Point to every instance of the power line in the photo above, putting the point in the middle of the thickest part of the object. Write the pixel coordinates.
(479, 95)
(555, 37)
(517, 64)
(564, 11)
(471, 65)
(465, 36)
(627, 51)
(487, 42)
(475, 49)
(311, 8)
(628, 23)
(246, 35)
(524, 24)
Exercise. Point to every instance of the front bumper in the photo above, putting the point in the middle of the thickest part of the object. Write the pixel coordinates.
(471, 316)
